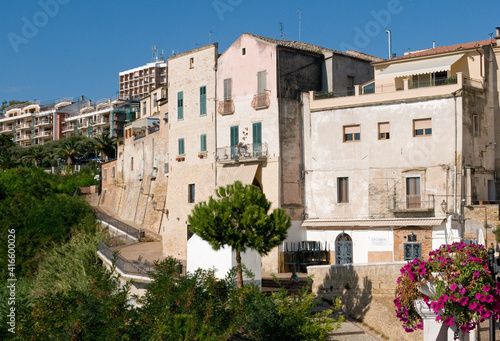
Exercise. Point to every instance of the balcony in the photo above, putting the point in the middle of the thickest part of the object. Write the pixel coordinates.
(226, 107)
(242, 153)
(387, 92)
(261, 100)
(43, 122)
(411, 203)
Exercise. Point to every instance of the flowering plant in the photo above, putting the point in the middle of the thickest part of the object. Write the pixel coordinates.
(465, 291)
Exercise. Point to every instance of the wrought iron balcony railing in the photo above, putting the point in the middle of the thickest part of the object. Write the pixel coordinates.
(411, 203)
(226, 107)
(242, 152)
(261, 100)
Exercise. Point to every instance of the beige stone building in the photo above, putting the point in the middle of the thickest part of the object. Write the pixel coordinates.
(191, 140)
(391, 171)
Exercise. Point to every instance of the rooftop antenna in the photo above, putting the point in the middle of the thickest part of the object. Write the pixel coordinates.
(389, 42)
(210, 36)
(162, 55)
(155, 54)
(281, 31)
(300, 17)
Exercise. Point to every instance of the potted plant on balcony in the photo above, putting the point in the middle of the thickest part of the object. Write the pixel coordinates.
(464, 292)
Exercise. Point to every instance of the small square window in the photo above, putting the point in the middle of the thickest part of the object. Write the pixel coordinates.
(422, 127)
(384, 131)
(243, 51)
(352, 133)
(191, 193)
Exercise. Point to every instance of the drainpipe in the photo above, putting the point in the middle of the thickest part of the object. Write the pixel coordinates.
(215, 115)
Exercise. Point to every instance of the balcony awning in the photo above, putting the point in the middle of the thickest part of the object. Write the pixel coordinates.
(418, 67)
(242, 172)
(331, 224)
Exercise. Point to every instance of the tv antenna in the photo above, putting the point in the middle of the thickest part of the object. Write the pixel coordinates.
(299, 12)
(281, 31)
(210, 36)
(155, 54)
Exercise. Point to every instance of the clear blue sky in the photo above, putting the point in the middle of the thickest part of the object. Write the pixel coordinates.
(80, 47)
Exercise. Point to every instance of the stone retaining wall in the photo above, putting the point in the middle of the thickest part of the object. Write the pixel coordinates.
(367, 292)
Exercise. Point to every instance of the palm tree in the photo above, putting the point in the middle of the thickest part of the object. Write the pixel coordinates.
(105, 145)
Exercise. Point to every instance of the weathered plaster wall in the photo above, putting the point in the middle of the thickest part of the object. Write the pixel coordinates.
(367, 292)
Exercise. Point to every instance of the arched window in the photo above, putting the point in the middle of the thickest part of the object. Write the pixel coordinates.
(343, 249)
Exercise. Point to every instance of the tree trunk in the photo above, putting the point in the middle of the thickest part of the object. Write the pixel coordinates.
(240, 270)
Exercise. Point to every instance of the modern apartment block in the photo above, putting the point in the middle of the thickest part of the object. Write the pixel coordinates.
(35, 122)
(392, 171)
(140, 81)
(107, 116)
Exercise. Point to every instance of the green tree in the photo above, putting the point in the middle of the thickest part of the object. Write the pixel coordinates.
(239, 218)
(105, 145)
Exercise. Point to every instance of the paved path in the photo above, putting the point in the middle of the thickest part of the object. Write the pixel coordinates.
(352, 332)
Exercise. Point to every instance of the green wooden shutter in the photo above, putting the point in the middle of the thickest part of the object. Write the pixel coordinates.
(257, 138)
(181, 146)
(180, 105)
(203, 143)
(234, 140)
(203, 100)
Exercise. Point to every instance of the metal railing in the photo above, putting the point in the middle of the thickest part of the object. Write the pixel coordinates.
(411, 203)
(261, 100)
(242, 152)
(437, 81)
(132, 231)
(126, 266)
(226, 107)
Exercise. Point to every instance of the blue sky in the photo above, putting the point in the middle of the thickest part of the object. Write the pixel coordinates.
(66, 48)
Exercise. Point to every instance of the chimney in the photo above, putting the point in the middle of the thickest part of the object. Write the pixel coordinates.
(497, 37)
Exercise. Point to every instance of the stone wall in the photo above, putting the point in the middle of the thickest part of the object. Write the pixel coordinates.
(367, 292)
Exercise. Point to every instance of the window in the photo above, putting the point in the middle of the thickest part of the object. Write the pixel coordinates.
(350, 86)
(422, 127)
(234, 140)
(132, 163)
(155, 100)
(257, 138)
(143, 109)
(413, 192)
(352, 133)
(113, 170)
(191, 62)
(105, 174)
(475, 125)
(228, 84)
(412, 251)
(180, 143)
(342, 190)
(243, 51)
(383, 131)
(191, 193)
(180, 105)
(203, 100)
(203, 143)
(261, 81)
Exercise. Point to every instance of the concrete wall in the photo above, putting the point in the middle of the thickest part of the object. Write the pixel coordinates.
(367, 292)
(201, 255)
